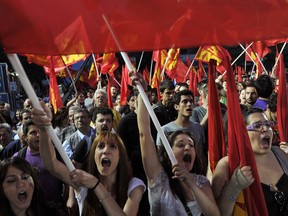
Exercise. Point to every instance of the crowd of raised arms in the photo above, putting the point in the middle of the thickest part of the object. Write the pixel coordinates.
(121, 165)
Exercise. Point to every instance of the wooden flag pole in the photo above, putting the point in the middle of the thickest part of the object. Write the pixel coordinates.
(34, 99)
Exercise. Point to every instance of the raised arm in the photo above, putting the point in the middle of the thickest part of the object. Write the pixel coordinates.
(150, 159)
(47, 150)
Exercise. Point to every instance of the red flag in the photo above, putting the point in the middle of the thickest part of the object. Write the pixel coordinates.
(282, 106)
(125, 81)
(240, 72)
(136, 27)
(217, 53)
(216, 141)
(109, 63)
(240, 152)
(54, 94)
(110, 103)
(156, 79)
(146, 75)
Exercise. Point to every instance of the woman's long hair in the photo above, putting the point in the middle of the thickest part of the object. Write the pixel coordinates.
(92, 205)
(37, 206)
(175, 186)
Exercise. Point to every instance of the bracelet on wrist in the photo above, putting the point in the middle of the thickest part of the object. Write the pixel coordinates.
(93, 188)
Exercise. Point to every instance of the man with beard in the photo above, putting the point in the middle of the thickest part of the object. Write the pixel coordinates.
(251, 94)
(183, 104)
(165, 105)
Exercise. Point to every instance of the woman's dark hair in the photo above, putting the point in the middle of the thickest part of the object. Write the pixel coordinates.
(37, 206)
(92, 205)
(248, 112)
(175, 186)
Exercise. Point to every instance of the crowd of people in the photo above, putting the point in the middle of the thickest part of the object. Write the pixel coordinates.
(121, 165)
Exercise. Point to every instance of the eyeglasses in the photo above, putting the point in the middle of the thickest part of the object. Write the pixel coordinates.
(258, 126)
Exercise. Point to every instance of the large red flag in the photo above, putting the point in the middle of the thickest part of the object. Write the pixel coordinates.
(240, 153)
(282, 106)
(54, 94)
(216, 141)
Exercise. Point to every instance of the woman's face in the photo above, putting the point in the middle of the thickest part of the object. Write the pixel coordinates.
(260, 135)
(242, 96)
(107, 157)
(183, 148)
(18, 188)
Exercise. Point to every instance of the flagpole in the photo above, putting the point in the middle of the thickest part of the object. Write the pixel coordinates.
(140, 61)
(95, 64)
(150, 75)
(278, 57)
(166, 61)
(247, 53)
(145, 99)
(190, 67)
(68, 71)
(34, 99)
(242, 54)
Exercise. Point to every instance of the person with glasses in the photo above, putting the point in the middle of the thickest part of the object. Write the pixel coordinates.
(272, 167)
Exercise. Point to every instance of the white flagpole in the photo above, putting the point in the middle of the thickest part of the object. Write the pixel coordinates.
(140, 61)
(145, 99)
(241, 53)
(276, 62)
(33, 97)
(150, 75)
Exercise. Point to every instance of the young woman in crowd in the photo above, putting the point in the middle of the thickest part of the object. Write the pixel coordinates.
(21, 194)
(173, 190)
(108, 187)
(272, 166)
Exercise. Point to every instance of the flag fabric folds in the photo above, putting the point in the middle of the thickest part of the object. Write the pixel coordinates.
(55, 98)
(218, 53)
(50, 29)
(240, 153)
(282, 106)
(109, 63)
(216, 141)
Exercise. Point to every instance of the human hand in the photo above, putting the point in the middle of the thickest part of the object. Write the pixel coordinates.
(181, 172)
(43, 117)
(136, 77)
(284, 146)
(82, 178)
(242, 177)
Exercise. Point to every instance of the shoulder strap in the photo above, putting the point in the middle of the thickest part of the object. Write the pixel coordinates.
(281, 158)
(22, 152)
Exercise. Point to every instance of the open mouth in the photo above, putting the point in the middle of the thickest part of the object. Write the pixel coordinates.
(106, 163)
(265, 142)
(187, 158)
(22, 196)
